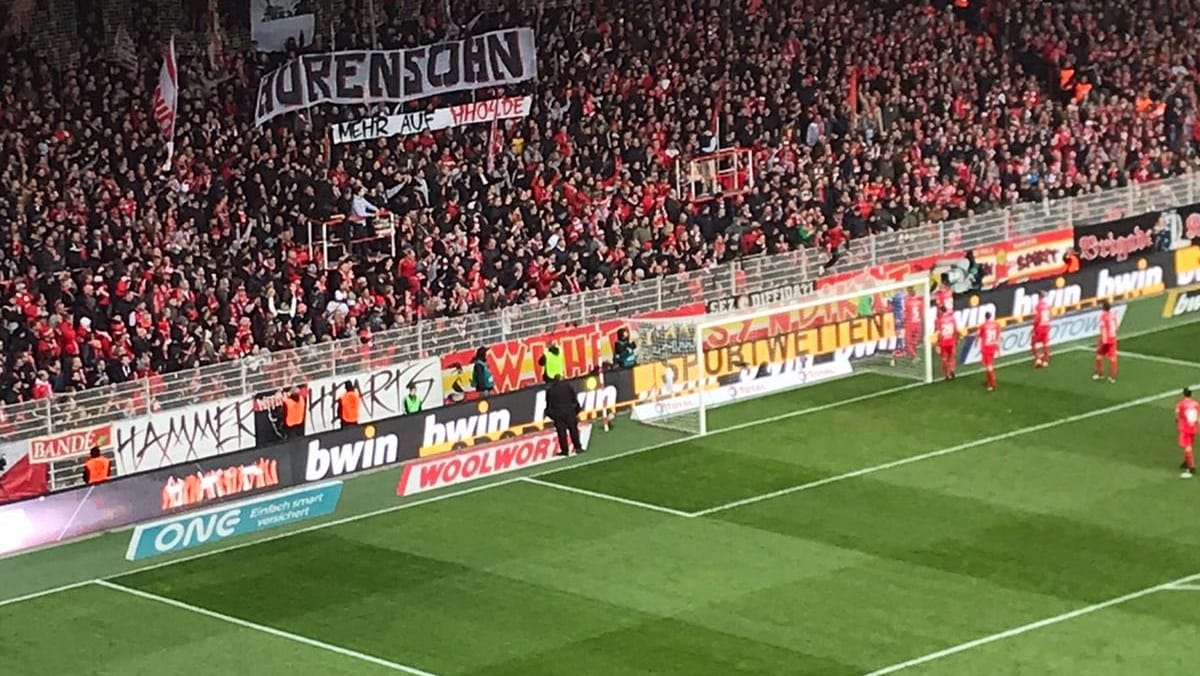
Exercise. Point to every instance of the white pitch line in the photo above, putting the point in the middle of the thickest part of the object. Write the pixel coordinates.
(606, 496)
(296, 638)
(1032, 626)
(44, 592)
(1184, 587)
(1161, 360)
(935, 454)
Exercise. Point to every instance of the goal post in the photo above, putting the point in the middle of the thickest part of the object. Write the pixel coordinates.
(690, 365)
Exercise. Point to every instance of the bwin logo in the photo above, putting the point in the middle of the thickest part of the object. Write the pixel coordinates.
(467, 428)
(352, 457)
(591, 401)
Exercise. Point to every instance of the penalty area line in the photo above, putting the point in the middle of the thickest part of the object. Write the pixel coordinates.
(605, 496)
(295, 638)
(1033, 626)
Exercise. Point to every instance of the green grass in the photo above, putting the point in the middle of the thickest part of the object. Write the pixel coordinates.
(895, 526)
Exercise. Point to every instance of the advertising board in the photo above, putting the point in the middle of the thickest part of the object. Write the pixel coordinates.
(1063, 329)
(773, 341)
(148, 495)
(1133, 278)
(483, 461)
(1181, 302)
(671, 399)
(240, 518)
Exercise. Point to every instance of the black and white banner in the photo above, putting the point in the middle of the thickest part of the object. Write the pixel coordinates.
(272, 22)
(359, 77)
(183, 435)
(382, 392)
(383, 126)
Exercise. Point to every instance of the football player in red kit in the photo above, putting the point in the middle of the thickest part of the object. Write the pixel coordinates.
(1041, 333)
(1187, 417)
(947, 336)
(989, 347)
(1106, 346)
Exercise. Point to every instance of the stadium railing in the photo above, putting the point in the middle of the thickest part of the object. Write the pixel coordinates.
(246, 377)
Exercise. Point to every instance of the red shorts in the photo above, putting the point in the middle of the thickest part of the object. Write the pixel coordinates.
(1106, 350)
(1186, 439)
(1041, 334)
(946, 349)
(987, 355)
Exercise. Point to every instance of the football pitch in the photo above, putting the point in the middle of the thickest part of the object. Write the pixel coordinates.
(869, 525)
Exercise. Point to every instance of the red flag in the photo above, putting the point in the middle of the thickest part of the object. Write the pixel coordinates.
(493, 147)
(852, 93)
(166, 98)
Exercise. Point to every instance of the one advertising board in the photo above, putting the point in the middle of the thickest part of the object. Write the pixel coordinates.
(483, 461)
(494, 59)
(407, 124)
(142, 497)
(240, 518)
(1063, 329)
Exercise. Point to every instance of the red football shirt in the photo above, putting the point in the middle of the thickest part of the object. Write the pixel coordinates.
(989, 335)
(1187, 415)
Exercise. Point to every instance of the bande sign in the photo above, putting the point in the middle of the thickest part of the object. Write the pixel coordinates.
(493, 59)
(407, 124)
(74, 444)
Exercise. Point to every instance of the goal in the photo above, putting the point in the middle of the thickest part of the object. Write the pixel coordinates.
(688, 366)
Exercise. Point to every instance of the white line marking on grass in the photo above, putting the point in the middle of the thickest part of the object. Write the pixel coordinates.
(1184, 587)
(936, 454)
(311, 642)
(44, 592)
(1160, 359)
(606, 496)
(1032, 626)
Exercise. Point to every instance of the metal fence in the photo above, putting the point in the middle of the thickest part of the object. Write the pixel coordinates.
(245, 377)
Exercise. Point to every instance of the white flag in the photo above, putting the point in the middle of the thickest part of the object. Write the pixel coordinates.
(166, 98)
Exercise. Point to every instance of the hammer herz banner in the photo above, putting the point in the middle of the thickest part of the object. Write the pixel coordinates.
(357, 77)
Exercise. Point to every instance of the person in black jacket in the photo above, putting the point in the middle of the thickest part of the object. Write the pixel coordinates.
(562, 407)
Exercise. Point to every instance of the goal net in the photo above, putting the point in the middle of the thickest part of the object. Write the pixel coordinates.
(690, 365)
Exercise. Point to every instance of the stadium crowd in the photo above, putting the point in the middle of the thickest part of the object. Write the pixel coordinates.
(862, 117)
